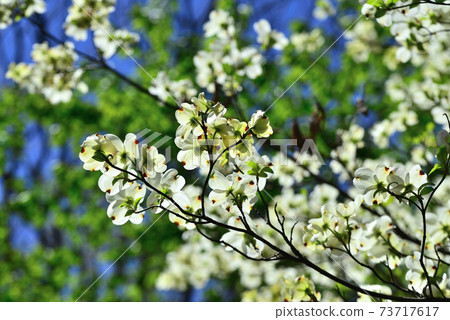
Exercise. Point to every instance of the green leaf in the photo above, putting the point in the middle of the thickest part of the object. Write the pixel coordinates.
(376, 3)
(427, 184)
(380, 13)
(262, 174)
(253, 165)
(437, 166)
(136, 202)
(420, 46)
(426, 190)
(267, 170)
(100, 156)
(412, 201)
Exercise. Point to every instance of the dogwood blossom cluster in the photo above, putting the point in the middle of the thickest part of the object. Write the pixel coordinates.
(87, 15)
(324, 9)
(53, 72)
(398, 121)
(339, 231)
(204, 137)
(426, 95)
(412, 26)
(197, 261)
(269, 38)
(362, 41)
(309, 42)
(108, 41)
(421, 95)
(344, 230)
(293, 170)
(120, 163)
(344, 157)
(223, 63)
(204, 132)
(136, 179)
(13, 10)
(163, 87)
(377, 185)
(422, 39)
(299, 289)
(342, 225)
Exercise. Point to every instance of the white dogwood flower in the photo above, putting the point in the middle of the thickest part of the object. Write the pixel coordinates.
(416, 275)
(193, 153)
(52, 72)
(349, 209)
(150, 161)
(93, 145)
(259, 124)
(125, 205)
(10, 9)
(368, 182)
(88, 15)
(109, 41)
(249, 246)
(169, 183)
(368, 10)
(299, 289)
(189, 120)
(403, 54)
(111, 185)
(108, 153)
(402, 180)
(269, 38)
(220, 24)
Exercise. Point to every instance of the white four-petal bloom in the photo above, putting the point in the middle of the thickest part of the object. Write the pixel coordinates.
(124, 204)
(268, 37)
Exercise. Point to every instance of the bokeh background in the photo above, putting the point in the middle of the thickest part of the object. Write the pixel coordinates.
(55, 239)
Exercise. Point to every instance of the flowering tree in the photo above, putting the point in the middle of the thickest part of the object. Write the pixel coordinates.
(356, 179)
